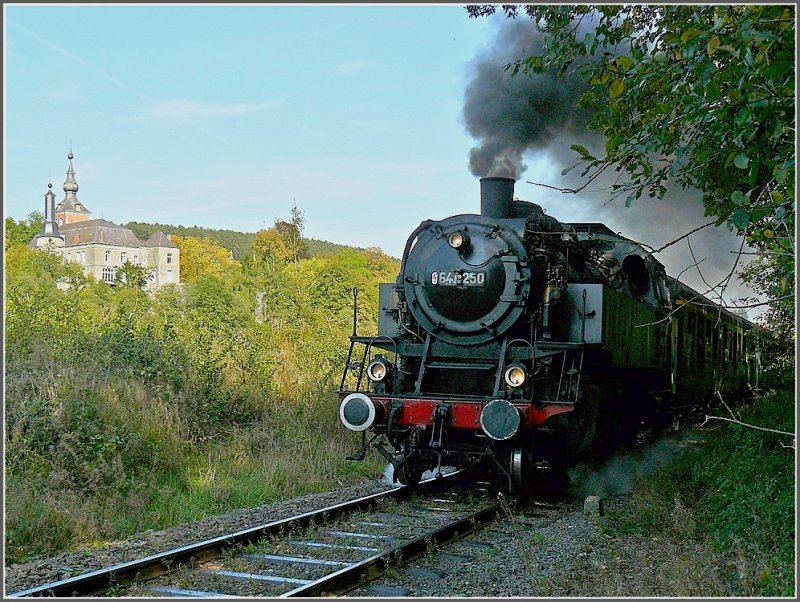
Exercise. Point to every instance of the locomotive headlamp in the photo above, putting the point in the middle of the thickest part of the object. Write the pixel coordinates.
(515, 376)
(458, 239)
(378, 369)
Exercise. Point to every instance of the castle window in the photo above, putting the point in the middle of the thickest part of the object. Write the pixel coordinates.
(135, 260)
(123, 257)
(108, 255)
(109, 273)
(169, 257)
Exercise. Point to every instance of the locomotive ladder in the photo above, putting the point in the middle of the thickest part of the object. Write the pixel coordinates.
(424, 365)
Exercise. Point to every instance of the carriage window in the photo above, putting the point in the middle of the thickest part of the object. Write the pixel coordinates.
(636, 270)
(726, 353)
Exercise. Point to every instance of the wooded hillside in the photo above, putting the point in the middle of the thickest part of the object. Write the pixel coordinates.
(127, 411)
(238, 243)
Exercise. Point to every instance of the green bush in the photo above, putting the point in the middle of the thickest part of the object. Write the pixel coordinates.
(127, 411)
(735, 489)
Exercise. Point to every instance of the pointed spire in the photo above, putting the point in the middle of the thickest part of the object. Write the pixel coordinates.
(71, 205)
(70, 186)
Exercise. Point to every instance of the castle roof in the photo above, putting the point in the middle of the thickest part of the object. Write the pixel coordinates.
(99, 231)
(159, 239)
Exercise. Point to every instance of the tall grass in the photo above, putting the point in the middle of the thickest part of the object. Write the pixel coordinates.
(127, 412)
(90, 461)
(733, 494)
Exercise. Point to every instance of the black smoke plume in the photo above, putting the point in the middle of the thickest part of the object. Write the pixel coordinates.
(511, 115)
(518, 117)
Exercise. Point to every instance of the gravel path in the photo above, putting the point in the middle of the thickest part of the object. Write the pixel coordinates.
(515, 557)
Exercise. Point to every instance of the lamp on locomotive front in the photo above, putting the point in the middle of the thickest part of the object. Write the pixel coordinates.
(459, 240)
(378, 369)
(515, 376)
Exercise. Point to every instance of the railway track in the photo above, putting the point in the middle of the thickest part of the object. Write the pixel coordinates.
(326, 552)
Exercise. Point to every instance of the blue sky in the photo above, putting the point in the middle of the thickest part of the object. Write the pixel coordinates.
(225, 116)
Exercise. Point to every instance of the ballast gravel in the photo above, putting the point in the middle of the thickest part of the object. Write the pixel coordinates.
(510, 558)
(30, 574)
(534, 550)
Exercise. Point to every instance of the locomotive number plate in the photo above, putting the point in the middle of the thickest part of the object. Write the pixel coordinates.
(458, 278)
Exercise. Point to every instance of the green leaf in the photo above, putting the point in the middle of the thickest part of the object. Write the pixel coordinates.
(740, 218)
(712, 91)
(580, 149)
(566, 170)
(741, 161)
(624, 63)
(617, 88)
(737, 198)
(712, 45)
(777, 197)
(588, 41)
(690, 35)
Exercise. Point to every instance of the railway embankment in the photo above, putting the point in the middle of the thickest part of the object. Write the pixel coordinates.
(717, 520)
(713, 517)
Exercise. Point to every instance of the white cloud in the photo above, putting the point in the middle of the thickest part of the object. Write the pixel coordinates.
(183, 107)
(350, 68)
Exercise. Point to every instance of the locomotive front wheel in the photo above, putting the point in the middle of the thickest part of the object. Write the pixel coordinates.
(518, 470)
(409, 473)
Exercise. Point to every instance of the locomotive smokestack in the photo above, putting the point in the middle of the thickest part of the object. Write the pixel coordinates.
(497, 195)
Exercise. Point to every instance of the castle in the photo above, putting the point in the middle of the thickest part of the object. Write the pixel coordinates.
(99, 246)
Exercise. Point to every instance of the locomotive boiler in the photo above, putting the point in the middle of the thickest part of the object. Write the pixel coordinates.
(515, 342)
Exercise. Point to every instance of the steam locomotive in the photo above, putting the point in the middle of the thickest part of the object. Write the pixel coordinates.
(515, 342)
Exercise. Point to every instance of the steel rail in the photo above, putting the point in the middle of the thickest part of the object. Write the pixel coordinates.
(153, 566)
(358, 574)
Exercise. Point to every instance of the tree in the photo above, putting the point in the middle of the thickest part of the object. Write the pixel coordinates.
(699, 95)
(22, 232)
(132, 275)
(202, 257)
(280, 245)
(269, 249)
(291, 231)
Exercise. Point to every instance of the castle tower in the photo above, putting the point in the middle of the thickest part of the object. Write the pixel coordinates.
(49, 236)
(71, 210)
